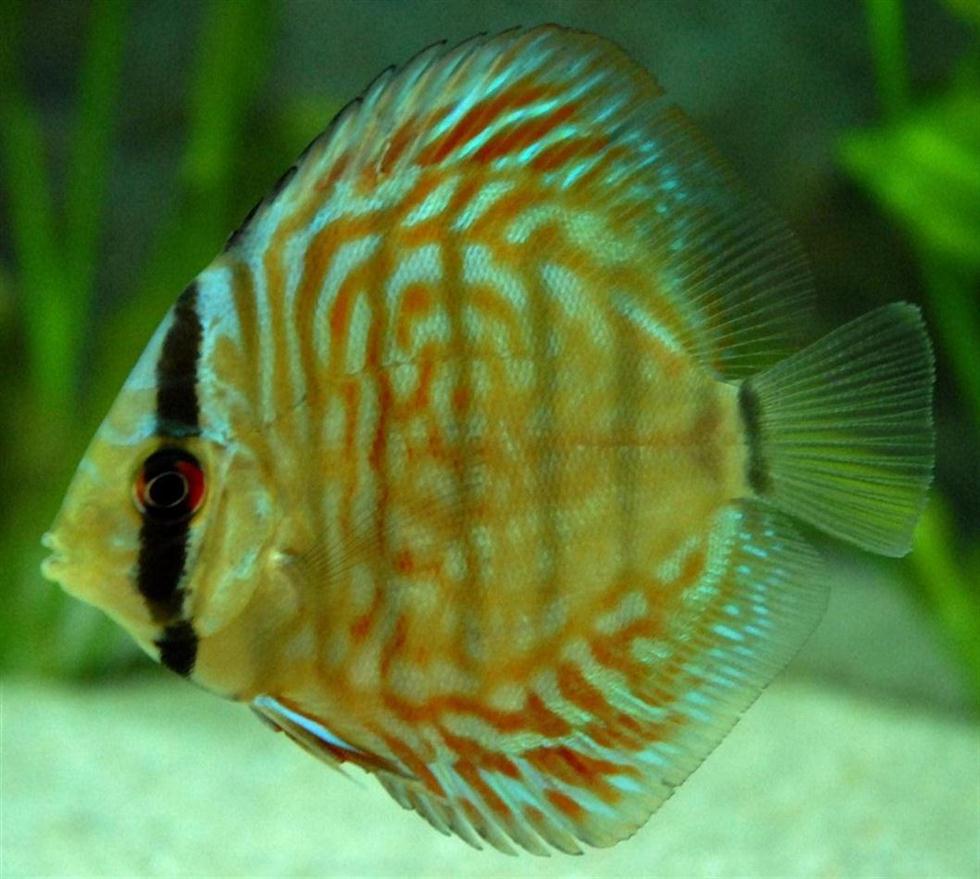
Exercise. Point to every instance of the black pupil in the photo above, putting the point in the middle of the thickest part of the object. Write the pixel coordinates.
(167, 490)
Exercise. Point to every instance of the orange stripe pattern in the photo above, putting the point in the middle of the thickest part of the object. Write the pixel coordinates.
(456, 360)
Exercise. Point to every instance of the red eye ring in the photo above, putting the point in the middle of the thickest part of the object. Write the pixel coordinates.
(170, 486)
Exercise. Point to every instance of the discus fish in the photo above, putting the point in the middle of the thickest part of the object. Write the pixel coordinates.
(471, 459)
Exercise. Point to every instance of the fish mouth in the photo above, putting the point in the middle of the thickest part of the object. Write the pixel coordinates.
(53, 566)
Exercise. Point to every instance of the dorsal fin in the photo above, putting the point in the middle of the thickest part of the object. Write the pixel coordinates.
(577, 112)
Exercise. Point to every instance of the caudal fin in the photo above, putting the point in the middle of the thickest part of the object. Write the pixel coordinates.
(840, 434)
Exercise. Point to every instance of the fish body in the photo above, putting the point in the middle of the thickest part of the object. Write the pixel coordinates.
(468, 460)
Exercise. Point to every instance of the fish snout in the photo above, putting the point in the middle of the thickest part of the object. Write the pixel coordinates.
(54, 564)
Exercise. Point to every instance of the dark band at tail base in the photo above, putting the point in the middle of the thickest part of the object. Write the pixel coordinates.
(757, 470)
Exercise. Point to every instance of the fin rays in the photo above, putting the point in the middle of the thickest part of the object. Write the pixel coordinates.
(587, 122)
(846, 429)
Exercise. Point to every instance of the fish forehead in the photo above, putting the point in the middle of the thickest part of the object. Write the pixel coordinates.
(129, 425)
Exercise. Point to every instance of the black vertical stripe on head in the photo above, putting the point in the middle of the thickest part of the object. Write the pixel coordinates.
(163, 545)
(757, 471)
(178, 412)
(178, 647)
(162, 557)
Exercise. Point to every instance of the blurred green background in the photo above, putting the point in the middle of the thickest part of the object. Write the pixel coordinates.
(134, 136)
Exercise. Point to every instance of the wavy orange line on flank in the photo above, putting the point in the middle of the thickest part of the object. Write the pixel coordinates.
(575, 688)
(535, 716)
(415, 304)
(320, 252)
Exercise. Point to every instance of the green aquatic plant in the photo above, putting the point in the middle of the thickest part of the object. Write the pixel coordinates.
(921, 164)
(47, 309)
(55, 258)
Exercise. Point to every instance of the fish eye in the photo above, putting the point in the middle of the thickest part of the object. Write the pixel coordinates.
(170, 486)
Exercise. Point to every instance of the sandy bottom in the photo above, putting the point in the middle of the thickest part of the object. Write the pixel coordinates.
(155, 778)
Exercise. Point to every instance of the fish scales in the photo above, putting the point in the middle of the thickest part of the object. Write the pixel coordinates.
(454, 383)
(477, 496)
(320, 257)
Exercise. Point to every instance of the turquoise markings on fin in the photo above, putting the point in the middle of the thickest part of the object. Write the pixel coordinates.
(274, 710)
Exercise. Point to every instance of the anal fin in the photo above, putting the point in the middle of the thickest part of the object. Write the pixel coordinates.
(314, 737)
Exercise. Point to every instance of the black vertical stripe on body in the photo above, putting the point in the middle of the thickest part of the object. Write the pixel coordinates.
(757, 471)
(164, 545)
(178, 412)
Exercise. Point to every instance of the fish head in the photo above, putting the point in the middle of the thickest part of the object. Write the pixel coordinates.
(161, 526)
(95, 538)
